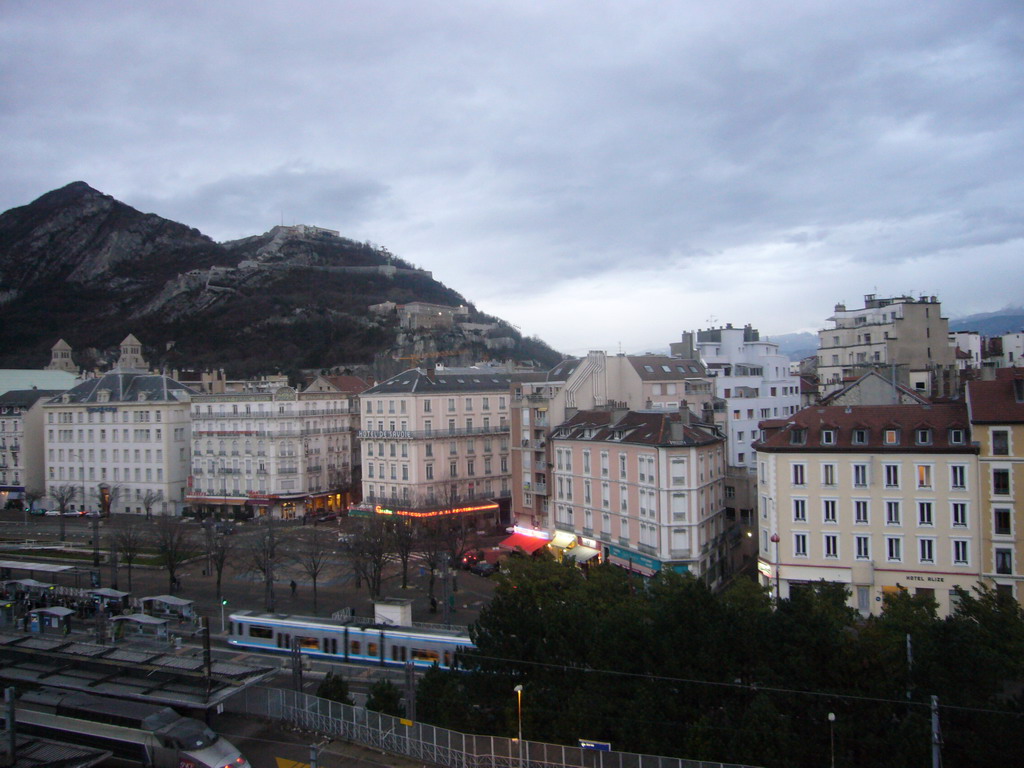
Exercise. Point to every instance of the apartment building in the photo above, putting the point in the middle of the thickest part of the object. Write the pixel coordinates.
(127, 429)
(597, 380)
(436, 442)
(643, 490)
(279, 453)
(876, 497)
(753, 380)
(907, 335)
(996, 409)
(22, 458)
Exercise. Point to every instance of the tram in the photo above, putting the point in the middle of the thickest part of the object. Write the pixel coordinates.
(381, 644)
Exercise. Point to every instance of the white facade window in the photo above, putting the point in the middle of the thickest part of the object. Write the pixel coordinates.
(828, 510)
(924, 513)
(800, 544)
(958, 513)
(831, 542)
(860, 475)
(799, 510)
(926, 550)
(892, 513)
(861, 511)
(863, 545)
(799, 476)
(893, 549)
(961, 552)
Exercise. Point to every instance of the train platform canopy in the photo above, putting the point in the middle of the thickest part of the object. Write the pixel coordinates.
(124, 671)
(21, 565)
(34, 752)
(113, 594)
(29, 584)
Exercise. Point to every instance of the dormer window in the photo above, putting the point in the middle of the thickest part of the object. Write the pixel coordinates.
(142, 397)
(65, 398)
(103, 396)
(923, 436)
(798, 437)
(956, 437)
(892, 437)
(828, 437)
(860, 437)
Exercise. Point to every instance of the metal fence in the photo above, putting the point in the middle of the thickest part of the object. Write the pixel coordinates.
(432, 745)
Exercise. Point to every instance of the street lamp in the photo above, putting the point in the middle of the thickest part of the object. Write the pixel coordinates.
(519, 711)
(832, 738)
(775, 540)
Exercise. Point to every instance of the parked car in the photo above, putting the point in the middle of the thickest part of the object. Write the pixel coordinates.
(53, 513)
(225, 528)
(38, 512)
(471, 558)
(326, 516)
(483, 568)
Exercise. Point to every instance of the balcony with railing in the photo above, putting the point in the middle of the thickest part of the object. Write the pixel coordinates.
(429, 434)
(539, 489)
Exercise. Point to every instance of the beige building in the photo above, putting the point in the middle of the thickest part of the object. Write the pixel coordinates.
(878, 498)
(622, 381)
(127, 429)
(996, 409)
(904, 334)
(436, 442)
(643, 490)
(278, 453)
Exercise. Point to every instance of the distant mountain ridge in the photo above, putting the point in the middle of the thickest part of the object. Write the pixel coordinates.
(80, 265)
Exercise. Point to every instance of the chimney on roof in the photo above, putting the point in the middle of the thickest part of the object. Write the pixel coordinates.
(430, 370)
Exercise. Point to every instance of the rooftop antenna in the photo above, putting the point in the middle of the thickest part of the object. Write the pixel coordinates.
(711, 320)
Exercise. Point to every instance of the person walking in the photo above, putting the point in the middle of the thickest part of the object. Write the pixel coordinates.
(294, 586)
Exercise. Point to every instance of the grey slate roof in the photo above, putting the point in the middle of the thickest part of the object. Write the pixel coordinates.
(416, 381)
(126, 386)
(26, 398)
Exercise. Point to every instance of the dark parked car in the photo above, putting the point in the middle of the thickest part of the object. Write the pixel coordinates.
(483, 568)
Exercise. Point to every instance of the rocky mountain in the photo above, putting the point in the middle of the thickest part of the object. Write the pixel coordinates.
(79, 265)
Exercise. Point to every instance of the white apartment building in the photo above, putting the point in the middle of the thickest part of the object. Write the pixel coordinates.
(597, 380)
(127, 429)
(879, 498)
(22, 459)
(279, 453)
(754, 381)
(436, 442)
(642, 490)
(905, 334)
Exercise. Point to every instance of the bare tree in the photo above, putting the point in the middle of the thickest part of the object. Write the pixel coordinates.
(403, 542)
(370, 551)
(433, 547)
(220, 549)
(316, 557)
(174, 545)
(459, 537)
(128, 538)
(261, 559)
(64, 495)
(149, 498)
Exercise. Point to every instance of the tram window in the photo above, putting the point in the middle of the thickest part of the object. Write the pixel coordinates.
(394, 653)
(326, 645)
(334, 645)
(255, 630)
(310, 643)
(403, 653)
(419, 654)
(447, 658)
(355, 647)
(371, 649)
(231, 627)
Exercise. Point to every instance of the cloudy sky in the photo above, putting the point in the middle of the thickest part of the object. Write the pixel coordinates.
(604, 175)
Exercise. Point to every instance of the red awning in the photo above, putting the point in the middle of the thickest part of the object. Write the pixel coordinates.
(529, 544)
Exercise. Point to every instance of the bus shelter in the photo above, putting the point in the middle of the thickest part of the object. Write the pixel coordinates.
(55, 619)
(139, 625)
(111, 600)
(169, 606)
(19, 589)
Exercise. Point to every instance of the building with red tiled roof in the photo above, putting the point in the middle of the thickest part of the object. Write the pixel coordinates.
(996, 409)
(643, 490)
(879, 498)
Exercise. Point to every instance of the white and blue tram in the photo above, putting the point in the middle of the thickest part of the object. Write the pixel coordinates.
(382, 644)
(131, 730)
